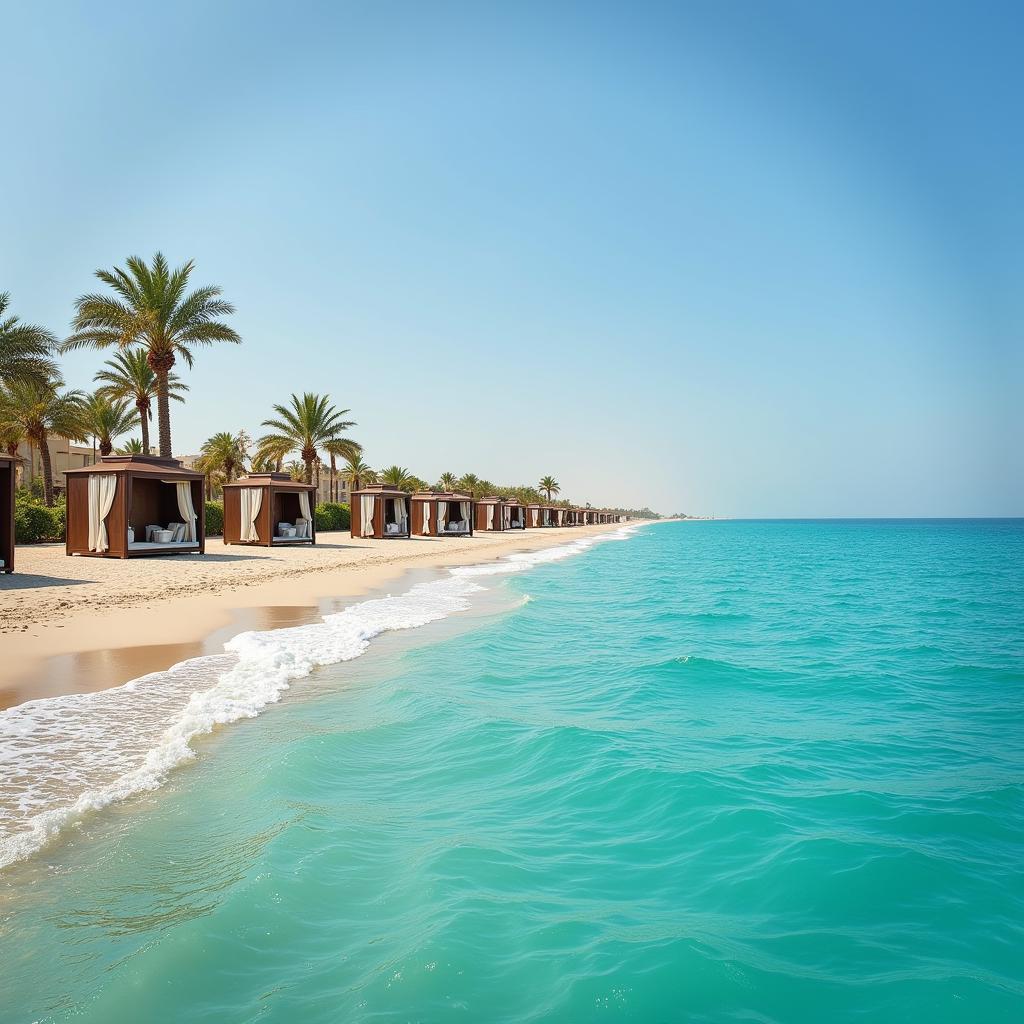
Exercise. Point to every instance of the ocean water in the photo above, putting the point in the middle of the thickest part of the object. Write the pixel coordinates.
(728, 771)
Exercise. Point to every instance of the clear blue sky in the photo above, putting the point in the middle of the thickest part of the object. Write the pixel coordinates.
(743, 258)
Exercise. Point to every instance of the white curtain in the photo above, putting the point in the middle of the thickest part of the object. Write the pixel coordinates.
(186, 510)
(561, 516)
(250, 502)
(400, 514)
(426, 517)
(506, 516)
(102, 488)
(304, 509)
(533, 516)
(490, 517)
(366, 503)
(442, 516)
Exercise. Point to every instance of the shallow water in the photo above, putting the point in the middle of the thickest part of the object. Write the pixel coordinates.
(719, 771)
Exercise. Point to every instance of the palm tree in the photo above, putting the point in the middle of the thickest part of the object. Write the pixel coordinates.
(550, 485)
(107, 419)
(38, 408)
(270, 453)
(396, 476)
(355, 473)
(447, 482)
(297, 471)
(151, 308)
(129, 376)
(11, 435)
(25, 349)
(131, 447)
(340, 448)
(305, 426)
(223, 452)
(470, 483)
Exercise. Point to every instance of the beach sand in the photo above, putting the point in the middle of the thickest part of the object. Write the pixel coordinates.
(71, 625)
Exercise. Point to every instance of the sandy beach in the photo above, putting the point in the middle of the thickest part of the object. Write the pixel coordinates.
(78, 624)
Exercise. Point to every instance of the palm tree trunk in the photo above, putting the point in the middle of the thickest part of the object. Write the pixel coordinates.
(44, 454)
(163, 410)
(106, 447)
(334, 467)
(143, 408)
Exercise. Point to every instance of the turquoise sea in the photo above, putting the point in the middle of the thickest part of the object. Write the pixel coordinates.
(714, 771)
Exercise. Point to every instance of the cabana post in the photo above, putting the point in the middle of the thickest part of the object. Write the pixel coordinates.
(7, 465)
(269, 510)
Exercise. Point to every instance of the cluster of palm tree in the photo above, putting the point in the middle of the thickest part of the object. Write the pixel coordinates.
(151, 318)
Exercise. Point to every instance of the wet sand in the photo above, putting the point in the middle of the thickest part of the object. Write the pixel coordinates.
(73, 625)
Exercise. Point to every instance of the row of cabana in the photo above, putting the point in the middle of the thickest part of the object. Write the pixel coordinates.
(127, 506)
(385, 512)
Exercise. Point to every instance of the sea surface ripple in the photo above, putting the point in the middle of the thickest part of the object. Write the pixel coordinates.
(725, 771)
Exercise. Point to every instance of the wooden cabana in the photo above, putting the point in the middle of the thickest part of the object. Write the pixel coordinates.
(380, 511)
(127, 506)
(543, 515)
(269, 509)
(496, 513)
(572, 517)
(539, 516)
(441, 514)
(514, 515)
(7, 467)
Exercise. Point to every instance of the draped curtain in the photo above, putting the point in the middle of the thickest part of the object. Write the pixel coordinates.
(400, 513)
(464, 514)
(490, 517)
(561, 516)
(187, 510)
(426, 517)
(250, 500)
(442, 516)
(366, 515)
(102, 488)
(306, 513)
(533, 516)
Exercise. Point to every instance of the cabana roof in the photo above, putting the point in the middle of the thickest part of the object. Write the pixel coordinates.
(139, 465)
(382, 490)
(439, 496)
(496, 499)
(279, 480)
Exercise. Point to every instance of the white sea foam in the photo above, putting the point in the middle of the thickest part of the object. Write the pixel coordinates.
(63, 757)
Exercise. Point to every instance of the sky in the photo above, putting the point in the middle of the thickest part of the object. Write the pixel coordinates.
(736, 258)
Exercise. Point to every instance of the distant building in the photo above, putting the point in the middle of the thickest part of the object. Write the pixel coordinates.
(64, 455)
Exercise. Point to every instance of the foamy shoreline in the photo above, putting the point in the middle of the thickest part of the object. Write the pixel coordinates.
(70, 755)
(72, 625)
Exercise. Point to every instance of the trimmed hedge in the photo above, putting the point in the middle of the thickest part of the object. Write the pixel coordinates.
(331, 516)
(34, 523)
(214, 518)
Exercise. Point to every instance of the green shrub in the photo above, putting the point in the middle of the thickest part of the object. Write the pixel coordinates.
(331, 516)
(214, 518)
(34, 523)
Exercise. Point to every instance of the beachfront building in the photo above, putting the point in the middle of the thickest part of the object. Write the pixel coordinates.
(268, 509)
(380, 511)
(572, 517)
(127, 506)
(64, 455)
(7, 467)
(441, 514)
